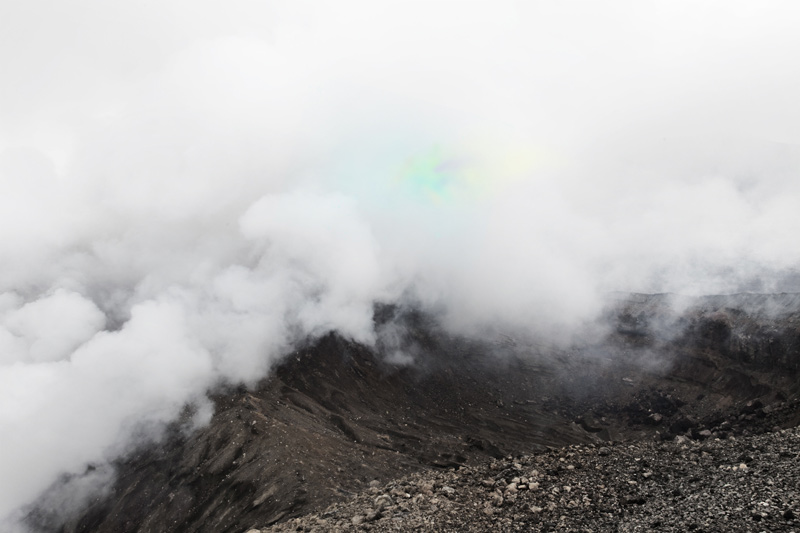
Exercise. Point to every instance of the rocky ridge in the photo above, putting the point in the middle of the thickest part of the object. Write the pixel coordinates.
(337, 416)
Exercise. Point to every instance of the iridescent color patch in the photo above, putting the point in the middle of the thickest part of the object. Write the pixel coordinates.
(432, 176)
(440, 177)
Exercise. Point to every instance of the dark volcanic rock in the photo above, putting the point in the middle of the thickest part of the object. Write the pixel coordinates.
(334, 417)
(329, 420)
(672, 487)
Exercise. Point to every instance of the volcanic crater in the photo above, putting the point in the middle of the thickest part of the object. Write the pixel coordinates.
(338, 425)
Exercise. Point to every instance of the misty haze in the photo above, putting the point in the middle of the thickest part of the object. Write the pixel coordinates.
(399, 266)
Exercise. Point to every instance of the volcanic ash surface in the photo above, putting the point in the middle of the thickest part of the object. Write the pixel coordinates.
(739, 484)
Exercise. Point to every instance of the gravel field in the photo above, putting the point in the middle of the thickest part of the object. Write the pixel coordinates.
(743, 484)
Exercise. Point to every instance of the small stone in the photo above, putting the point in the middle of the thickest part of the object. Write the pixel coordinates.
(382, 502)
(357, 520)
(603, 451)
(399, 493)
(497, 499)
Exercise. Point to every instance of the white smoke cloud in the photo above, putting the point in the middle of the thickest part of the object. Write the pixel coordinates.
(190, 188)
(48, 329)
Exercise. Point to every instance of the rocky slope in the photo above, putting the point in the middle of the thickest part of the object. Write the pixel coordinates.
(336, 416)
(739, 484)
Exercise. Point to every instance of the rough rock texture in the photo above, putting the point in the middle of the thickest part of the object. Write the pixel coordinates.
(738, 484)
(335, 416)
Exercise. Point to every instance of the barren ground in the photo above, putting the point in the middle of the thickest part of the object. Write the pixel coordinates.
(336, 424)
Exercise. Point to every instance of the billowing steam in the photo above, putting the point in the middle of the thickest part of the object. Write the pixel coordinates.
(190, 188)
